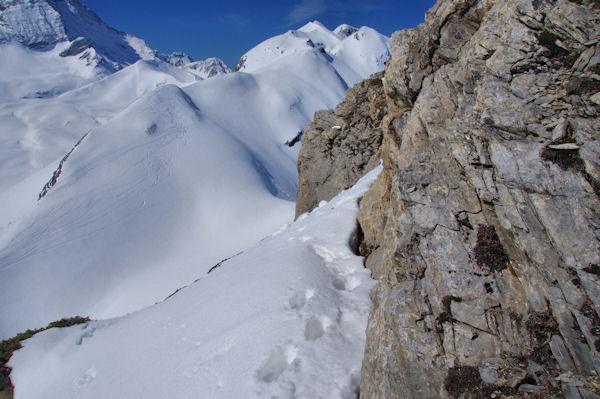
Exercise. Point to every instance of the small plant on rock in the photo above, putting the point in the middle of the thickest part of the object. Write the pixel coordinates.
(489, 252)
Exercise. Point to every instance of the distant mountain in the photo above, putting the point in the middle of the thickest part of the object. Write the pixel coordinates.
(354, 56)
(344, 30)
(208, 68)
(42, 24)
(177, 58)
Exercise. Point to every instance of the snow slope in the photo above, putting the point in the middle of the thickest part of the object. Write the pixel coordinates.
(285, 318)
(185, 180)
(150, 178)
(45, 107)
(154, 199)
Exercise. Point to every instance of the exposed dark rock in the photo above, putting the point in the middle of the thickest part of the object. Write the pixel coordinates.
(56, 174)
(77, 47)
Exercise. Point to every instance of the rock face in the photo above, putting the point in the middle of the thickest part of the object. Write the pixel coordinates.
(483, 228)
(341, 145)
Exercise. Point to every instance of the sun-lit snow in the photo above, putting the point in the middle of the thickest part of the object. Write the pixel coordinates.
(173, 175)
(48, 106)
(344, 30)
(285, 318)
(353, 57)
(126, 174)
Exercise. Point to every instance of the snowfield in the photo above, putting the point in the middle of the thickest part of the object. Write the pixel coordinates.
(285, 319)
(171, 174)
(126, 175)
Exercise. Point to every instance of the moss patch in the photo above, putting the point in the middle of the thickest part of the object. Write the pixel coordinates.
(463, 380)
(582, 85)
(565, 159)
(489, 252)
(375, 82)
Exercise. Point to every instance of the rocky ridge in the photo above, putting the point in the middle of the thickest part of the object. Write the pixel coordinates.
(483, 228)
(342, 145)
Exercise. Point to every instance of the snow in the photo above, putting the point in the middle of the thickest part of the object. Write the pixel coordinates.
(208, 68)
(344, 30)
(286, 318)
(169, 173)
(48, 105)
(173, 176)
(353, 57)
(41, 23)
(183, 191)
(361, 54)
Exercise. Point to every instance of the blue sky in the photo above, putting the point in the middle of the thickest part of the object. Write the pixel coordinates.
(227, 29)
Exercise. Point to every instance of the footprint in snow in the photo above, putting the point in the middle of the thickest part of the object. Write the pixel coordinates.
(327, 255)
(89, 333)
(315, 327)
(87, 377)
(299, 299)
(279, 359)
(346, 284)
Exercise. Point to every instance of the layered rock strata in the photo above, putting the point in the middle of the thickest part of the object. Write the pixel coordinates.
(483, 228)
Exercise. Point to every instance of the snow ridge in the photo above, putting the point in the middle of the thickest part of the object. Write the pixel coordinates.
(286, 318)
(352, 52)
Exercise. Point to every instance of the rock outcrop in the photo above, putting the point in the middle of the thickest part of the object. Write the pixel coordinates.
(483, 228)
(342, 145)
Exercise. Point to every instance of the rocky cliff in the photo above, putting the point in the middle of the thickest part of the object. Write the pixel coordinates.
(483, 228)
(342, 145)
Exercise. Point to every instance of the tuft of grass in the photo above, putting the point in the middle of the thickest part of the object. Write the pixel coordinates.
(465, 382)
(68, 322)
(375, 82)
(461, 379)
(489, 252)
(565, 159)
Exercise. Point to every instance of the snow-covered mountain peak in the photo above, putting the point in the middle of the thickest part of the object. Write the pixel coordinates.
(344, 30)
(359, 54)
(44, 23)
(177, 58)
(313, 25)
(208, 68)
